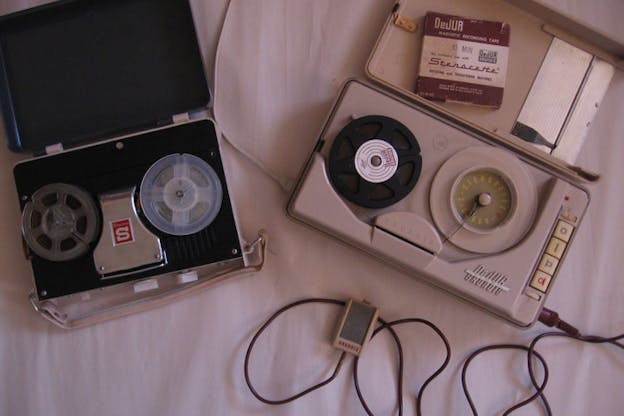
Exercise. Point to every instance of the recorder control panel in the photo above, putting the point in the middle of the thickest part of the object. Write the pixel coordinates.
(556, 247)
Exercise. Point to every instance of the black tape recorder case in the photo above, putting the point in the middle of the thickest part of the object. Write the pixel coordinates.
(126, 203)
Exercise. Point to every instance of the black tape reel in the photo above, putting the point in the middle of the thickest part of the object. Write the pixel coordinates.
(375, 161)
(60, 222)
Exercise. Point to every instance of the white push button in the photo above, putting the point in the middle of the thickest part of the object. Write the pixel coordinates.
(556, 248)
(541, 281)
(563, 231)
(548, 264)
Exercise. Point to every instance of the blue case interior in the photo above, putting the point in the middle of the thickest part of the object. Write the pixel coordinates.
(76, 71)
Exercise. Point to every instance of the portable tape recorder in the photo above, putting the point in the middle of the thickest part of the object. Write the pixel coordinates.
(455, 193)
(434, 198)
(116, 223)
(127, 209)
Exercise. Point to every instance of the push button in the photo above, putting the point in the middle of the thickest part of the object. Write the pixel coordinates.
(541, 281)
(548, 264)
(563, 231)
(554, 252)
(567, 215)
(556, 247)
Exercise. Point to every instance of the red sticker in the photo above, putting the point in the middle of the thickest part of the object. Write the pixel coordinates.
(122, 231)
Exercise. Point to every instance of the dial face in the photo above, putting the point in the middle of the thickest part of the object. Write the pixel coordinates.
(482, 199)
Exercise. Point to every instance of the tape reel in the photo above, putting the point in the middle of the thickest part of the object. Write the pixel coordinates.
(180, 194)
(60, 222)
(375, 161)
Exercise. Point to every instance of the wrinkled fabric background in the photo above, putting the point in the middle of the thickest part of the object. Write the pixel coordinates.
(279, 66)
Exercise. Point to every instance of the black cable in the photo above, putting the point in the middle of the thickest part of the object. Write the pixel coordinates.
(356, 382)
(383, 325)
(261, 330)
(526, 401)
(592, 339)
(389, 326)
(549, 318)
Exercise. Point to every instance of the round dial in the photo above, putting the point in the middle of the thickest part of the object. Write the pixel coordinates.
(482, 199)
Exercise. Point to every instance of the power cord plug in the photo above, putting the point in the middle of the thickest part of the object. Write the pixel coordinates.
(551, 318)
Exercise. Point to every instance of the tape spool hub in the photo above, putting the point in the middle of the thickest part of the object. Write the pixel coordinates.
(60, 222)
(180, 194)
(483, 199)
(374, 161)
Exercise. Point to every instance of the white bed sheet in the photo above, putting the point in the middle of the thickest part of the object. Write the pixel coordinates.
(280, 65)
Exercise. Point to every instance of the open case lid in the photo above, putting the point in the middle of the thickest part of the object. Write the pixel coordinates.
(395, 62)
(77, 70)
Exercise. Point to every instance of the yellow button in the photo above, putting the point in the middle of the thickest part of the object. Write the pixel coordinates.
(548, 264)
(556, 247)
(541, 281)
(563, 231)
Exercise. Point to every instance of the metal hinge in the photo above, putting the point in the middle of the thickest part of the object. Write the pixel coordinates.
(190, 115)
(181, 118)
(406, 23)
(54, 148)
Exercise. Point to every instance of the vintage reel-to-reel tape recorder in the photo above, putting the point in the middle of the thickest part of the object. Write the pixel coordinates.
(428, 196)
(431, 191)
(113, 224)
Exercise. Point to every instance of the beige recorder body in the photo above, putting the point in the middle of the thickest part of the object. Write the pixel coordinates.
(498, 270)
(500, 248)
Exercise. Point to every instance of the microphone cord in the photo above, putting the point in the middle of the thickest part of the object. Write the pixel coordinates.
(382, 325)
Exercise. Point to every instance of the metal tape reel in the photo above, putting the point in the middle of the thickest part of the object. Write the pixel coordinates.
(375, 161)
(60, 221)
(180, 194)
